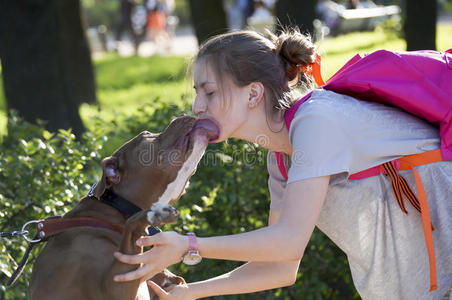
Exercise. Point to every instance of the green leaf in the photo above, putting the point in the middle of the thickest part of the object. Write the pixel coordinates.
(47, 135)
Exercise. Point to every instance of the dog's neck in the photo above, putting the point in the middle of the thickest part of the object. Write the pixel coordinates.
(90, 206)
(124, 206)
(143, 197)
(93, 208)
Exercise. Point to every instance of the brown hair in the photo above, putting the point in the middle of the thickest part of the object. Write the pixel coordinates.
(277, 62)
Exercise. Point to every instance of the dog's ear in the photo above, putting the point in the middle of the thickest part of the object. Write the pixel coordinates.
(110, 176)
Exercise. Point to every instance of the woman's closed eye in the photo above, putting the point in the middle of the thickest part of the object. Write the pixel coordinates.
(209, 94)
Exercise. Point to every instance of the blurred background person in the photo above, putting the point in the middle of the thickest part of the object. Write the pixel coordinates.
(125, 22)
(161, 23)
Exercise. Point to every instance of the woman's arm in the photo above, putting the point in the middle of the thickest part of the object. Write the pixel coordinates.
(284, 241)
(248, 278)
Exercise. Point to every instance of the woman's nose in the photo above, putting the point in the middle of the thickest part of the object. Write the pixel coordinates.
(198, 106)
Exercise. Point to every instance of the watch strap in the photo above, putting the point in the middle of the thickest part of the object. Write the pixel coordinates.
(192, 242)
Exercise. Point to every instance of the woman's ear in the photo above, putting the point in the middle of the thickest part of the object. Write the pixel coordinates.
(256, 94)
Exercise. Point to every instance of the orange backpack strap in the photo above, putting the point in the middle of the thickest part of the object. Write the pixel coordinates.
(316, 72)
(408, 163)
(400, 187)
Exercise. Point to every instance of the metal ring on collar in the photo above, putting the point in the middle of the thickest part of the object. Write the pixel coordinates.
(25, 235)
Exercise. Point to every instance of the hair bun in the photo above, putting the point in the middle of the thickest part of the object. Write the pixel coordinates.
(297, 52)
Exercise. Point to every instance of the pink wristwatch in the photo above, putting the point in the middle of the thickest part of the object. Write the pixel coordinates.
(192, 256)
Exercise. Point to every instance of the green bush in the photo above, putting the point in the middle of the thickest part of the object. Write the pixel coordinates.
(41, 174)
(227, 195)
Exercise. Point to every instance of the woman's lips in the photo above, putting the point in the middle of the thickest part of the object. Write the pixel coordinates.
(204, 127)
(207, 126)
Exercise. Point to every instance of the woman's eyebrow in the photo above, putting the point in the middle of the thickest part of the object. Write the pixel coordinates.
(203, 84)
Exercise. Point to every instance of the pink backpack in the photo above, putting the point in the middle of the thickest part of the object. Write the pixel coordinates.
(419, 82)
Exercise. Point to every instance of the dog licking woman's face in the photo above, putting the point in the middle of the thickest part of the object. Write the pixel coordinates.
(224, 102)
(145, 167)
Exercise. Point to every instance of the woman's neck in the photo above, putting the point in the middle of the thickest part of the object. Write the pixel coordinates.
(257, 130)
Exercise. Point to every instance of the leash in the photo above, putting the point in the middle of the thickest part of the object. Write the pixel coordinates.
(31, 243)
(47, 228)
(20, 267)
(13, 233)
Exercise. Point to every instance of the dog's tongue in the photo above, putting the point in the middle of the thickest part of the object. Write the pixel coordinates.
(208, 128)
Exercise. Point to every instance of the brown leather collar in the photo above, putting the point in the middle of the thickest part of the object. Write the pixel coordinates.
(49, 227)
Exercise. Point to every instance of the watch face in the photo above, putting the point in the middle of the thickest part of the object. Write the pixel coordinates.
(192, 258)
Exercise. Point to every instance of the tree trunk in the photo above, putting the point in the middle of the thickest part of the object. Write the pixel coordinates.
(46, 62)
(297, 13)
(420, 24)
(208, 18)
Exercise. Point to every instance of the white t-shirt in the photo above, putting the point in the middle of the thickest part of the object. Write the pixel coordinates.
(337, 135)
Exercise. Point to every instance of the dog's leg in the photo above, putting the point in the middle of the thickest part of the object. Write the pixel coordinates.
(135, 227)
(165, 279)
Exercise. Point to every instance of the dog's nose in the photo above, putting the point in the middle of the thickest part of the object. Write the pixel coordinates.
(174, 211)
(171, 210)
(145, 132)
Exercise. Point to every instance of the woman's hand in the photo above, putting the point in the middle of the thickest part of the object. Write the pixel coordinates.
(169, 247)
(174, 292)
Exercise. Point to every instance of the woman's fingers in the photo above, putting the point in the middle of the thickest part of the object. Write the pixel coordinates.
(132, 259)
(147, 241)
(158, 290)
(141, 272)
(162, 255)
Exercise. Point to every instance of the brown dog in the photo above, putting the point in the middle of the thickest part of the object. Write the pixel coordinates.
(79, 263)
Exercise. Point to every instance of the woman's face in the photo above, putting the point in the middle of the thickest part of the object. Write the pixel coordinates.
(230, 115)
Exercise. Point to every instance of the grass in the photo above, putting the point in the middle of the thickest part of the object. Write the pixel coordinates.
(336, 51)
(124, 84)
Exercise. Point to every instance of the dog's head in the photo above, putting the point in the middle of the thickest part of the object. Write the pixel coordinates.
(156, 167)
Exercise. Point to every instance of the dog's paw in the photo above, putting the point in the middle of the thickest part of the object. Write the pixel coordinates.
(162, 214)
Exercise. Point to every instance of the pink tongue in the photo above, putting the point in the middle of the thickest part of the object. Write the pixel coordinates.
(210, 128)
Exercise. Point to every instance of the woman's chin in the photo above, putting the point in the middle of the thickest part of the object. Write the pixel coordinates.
(214, 141)
(217, 140)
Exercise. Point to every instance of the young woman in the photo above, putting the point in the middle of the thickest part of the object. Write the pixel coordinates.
(245, 82)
